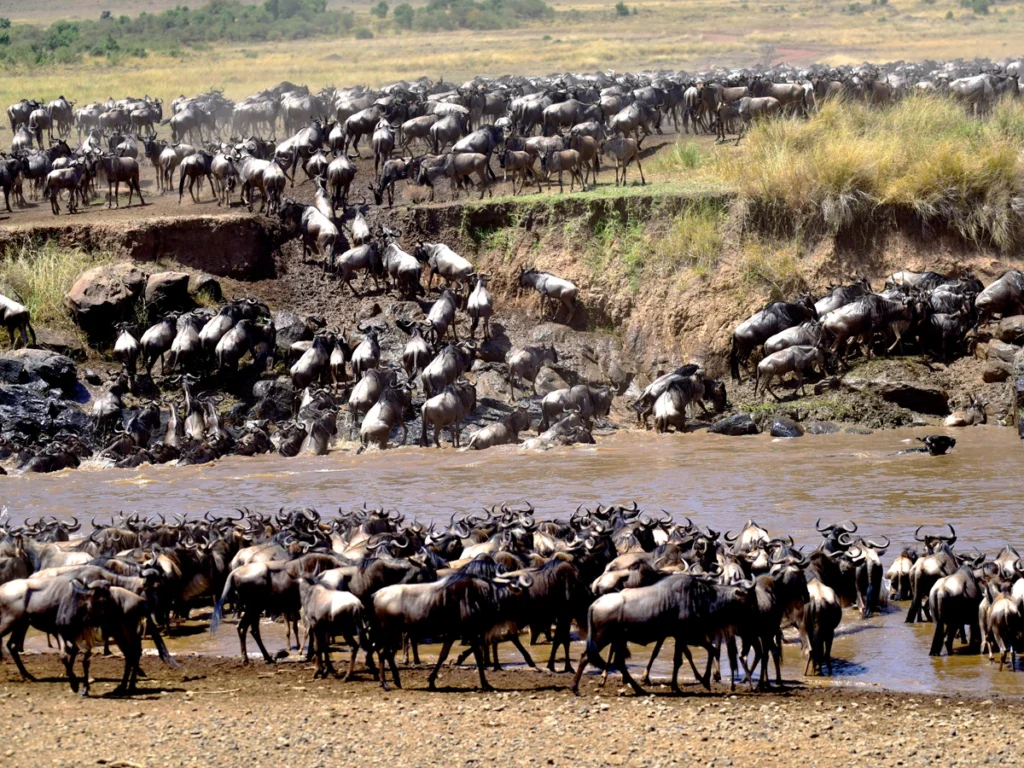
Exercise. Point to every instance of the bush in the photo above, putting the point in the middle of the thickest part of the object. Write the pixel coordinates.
(380, 10)
(621, 9)
(404, 15)
(362, 33)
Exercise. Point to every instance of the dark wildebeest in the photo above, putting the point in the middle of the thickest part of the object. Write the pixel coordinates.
(756, 330)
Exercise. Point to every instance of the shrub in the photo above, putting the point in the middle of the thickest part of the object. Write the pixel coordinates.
(621, 9)
(362, 33)
(404, 15)
(380, 10)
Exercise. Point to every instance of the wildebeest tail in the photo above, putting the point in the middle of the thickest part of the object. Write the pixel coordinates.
(734, 363)
(218, 609)
(158, 641)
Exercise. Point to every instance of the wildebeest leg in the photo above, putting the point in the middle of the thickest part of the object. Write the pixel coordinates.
(67, 658)
(677, 662)
(14, 645)
(480, 666)
(643, 181)
(519, 647)
(704, 679)
(446, 648)
(254, 625)
(580, 666)
(645, 679)
(621, 657)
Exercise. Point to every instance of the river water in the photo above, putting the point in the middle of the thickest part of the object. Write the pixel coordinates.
(785, 485)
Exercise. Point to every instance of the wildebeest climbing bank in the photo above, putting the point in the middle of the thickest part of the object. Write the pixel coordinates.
(730, 294)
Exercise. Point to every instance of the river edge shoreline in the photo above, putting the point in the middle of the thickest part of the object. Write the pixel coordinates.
(216, 712)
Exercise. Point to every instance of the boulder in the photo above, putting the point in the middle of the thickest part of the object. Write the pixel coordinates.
(206, 286)
(275, 398)
(66, 344)
(783, 426)
(739, 424)
(494, 349)
(547, 381)
(994, 371)
(104, 296)
(491, 385)
(290, 328)
(1000, 351)
(168, 291)
(11, 370)
(912, 395)
(822, 428)
(56, 370)
(1011, 329)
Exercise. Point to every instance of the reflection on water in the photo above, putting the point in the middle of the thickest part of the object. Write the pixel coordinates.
(786, 485)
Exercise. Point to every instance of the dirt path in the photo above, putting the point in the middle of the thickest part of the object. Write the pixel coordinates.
(213, 712)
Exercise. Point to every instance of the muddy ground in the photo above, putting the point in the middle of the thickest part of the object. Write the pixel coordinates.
(214, 712)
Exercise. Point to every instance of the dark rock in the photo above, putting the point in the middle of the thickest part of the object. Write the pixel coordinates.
(822, 428)
(914, 396)
(1011, 329)
(62, 343)
(993, 371)
(103, 296)
(739, 424)
(56, 370)
(24, 410)
(494, 349)
(783, 426)
(73, 419)
(278, 395)
(290, 328)
(92, 377)
(11, 370)
(168, 291)
(547, 381)
(205, 285)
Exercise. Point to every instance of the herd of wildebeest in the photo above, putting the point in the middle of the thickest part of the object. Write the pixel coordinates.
(578, 119)
(343, 385)
(382, 583)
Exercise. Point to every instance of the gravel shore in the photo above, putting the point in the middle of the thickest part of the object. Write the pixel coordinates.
(214, 712)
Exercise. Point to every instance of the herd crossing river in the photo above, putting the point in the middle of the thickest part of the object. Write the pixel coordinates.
(785, 485)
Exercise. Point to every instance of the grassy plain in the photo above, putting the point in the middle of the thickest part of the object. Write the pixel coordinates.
(586, 35)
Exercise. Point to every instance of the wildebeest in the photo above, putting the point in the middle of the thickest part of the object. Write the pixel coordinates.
(115, 170)
(795, 359)
(552, 288)
(762, 325)
(16, 317)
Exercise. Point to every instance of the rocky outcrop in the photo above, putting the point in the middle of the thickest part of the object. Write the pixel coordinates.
(56, 370)
(104, 296)
(915, 396)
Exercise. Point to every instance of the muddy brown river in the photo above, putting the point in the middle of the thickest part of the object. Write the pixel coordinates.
(784, 485)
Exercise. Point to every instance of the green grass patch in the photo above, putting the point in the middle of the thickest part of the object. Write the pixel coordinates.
(681, 156)
(39, 276)
(772, 266)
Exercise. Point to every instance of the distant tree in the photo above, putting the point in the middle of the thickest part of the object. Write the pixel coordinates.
(621, 9)
(380, 10)
(404, 15)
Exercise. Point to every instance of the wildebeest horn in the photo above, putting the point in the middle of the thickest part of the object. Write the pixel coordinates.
(848, 528)
(731, 537)
(826, 529)
(874, 545)
(845, 539)
(917, 533)
(952, 538)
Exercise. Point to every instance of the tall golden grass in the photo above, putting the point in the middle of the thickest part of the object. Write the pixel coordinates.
(40, 275)
(850, 162)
